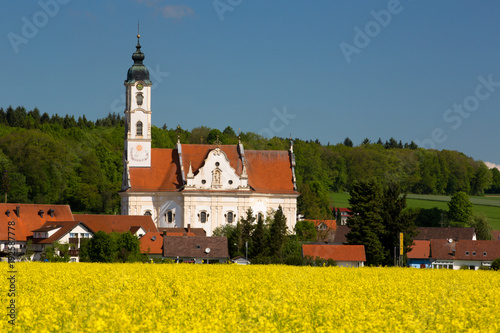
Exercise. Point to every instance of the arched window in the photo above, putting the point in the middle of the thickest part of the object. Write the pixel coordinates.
(140, 98)
(147, 213)
(139, 127)
(170, 216)
(260, 216)
(230, 217)
(203, 217)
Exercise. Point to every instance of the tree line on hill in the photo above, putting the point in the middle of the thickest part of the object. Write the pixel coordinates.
(63, 160)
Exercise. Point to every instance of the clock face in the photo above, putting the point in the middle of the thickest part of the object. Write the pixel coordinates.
(139, 86)
(139, 153)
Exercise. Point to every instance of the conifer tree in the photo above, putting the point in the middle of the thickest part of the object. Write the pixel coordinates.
(277, 233)
(366, 222)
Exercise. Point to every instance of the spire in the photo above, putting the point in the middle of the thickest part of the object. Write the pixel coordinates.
(190, 173)
(138, 71)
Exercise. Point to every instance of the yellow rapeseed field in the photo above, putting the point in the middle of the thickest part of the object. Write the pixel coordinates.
(81, 297)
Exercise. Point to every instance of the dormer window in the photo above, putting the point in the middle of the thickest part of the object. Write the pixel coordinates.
(139, 128)
(466, 253)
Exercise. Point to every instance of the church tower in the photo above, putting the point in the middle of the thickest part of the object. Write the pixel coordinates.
(137, 151)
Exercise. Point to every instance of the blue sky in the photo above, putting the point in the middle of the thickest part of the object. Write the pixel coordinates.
(422, 71)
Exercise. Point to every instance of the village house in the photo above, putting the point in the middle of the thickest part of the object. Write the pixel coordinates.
(23, 219)
(344, 214)
(471, 254)
(344, 255)
(42, 225)
(196, 249)
(325, 230)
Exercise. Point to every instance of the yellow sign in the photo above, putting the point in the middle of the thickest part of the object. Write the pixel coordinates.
(401, 243)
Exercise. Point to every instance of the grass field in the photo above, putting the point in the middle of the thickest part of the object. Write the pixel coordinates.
(488, 205)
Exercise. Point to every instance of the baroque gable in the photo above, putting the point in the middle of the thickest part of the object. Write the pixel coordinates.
(216, 173)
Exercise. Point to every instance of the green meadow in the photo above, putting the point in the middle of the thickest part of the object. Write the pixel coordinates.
(488, 205)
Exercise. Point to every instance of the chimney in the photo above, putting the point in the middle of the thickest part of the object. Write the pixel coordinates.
(164, 233)
(189, 228)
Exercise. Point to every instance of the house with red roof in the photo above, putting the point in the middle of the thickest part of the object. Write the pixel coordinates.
(325, 229)
(17, 222)
(344, 214)
(206, 186)
(344, 255)
(472, 254)
(73, 233)
(419, 256)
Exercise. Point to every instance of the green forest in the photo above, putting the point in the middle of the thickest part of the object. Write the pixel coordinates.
(63, 160)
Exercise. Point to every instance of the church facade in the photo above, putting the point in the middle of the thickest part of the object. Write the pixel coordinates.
(204, 186)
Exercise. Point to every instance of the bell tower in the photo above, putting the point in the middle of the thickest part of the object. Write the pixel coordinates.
(137, 151)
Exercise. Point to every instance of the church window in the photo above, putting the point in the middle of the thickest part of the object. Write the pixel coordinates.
(147, 213)
(170, 216)
(139, 128)
(260, 216)
(140, 98)
(230, 217)
(203, 217)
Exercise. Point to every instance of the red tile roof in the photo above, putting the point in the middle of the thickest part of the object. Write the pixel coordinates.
(268, 171)
(118, 223)
(420, 250)
(181, 231)
(335, 252)
(444, 250)
(30, 218)
(330, 224)
(152, 243)
(477, 250)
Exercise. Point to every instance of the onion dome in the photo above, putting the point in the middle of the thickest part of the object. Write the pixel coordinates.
(138, 72)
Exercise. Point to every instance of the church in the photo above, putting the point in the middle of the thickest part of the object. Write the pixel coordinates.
(200, 186)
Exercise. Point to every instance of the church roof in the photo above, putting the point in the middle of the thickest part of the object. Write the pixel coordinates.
(268, 171)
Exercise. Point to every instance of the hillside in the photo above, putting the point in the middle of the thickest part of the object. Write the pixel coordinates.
(54, 159)
(488, 205)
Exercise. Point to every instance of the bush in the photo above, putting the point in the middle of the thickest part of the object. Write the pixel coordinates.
(495, 265)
